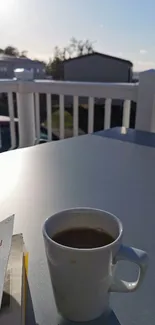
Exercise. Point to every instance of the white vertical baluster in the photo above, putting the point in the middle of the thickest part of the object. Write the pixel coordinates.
(49, 116)
(62, 122)
(90, 114)
(37, 111)
(145, 112)
(126, 113)
(107, 116)
(12, 121)
(25, 107)
(26, 122)
(75, 116)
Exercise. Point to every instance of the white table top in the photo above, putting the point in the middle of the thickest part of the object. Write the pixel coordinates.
(84, 171)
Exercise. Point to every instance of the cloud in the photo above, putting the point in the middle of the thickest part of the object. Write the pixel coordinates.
(143, 52)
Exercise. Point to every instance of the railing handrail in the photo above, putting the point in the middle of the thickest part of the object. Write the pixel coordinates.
(8, 85)
(94, 89)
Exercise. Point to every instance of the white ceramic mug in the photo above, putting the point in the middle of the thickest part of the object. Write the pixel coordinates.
(83, 278)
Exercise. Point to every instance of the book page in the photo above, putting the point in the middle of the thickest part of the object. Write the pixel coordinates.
(6, 232)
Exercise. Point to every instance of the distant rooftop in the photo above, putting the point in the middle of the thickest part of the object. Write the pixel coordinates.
(100, 54)
(4, 57)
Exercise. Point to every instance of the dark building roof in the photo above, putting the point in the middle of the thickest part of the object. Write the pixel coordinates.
(100, 54)
(11, 58)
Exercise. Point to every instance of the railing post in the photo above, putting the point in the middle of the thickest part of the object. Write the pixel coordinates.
(25, 106)
(145, 115)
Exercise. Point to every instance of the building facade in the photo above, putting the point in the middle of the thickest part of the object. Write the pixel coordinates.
(9, 63)
(97, 67)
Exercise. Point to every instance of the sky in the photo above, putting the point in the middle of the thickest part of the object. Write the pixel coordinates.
(123, 28)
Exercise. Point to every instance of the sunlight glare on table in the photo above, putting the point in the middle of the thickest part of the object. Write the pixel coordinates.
(10, 171)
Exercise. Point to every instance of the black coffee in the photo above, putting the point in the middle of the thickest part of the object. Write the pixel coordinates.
(83, 238)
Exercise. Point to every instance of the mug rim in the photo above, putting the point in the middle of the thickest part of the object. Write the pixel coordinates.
(120, 225)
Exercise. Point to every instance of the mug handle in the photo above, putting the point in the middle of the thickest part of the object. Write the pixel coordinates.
(136, 256)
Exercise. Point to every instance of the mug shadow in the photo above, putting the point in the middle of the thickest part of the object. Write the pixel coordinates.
(109, 319)
(30, 315)
(106, 319)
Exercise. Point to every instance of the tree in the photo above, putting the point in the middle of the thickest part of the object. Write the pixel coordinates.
(49, 67)
(89, 47)
(10, 50)
(80, 47)
(53, 66)
(64, 52)
(13, 51)
(75, 48)
(23, 54)
(69, 52)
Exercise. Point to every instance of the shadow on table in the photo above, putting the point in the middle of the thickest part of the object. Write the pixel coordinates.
(110, 319)
(30, 316)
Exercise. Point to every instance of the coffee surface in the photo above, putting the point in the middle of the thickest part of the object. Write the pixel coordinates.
(83, 238)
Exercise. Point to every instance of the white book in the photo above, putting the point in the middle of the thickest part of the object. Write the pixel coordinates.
(14, 292)
(6, 232)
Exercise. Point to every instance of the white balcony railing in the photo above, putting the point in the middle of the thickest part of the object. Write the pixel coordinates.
(27, 91)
